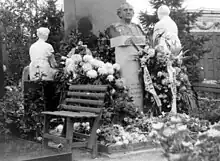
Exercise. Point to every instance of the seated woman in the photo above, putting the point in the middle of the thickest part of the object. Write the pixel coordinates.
(42, 66)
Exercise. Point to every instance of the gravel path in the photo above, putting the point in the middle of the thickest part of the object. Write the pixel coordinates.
(147, 155)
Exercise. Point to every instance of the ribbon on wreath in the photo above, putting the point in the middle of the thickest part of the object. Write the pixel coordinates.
(149, 87)
(172, 77)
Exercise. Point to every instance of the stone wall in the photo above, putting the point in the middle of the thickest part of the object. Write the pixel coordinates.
(209, 25)
(208, 22)
(100, 12)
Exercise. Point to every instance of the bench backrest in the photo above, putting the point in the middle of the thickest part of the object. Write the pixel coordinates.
(85, 98)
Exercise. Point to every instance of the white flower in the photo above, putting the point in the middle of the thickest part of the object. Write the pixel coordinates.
(159, 74)
(80, 43)
(213, 133)
(76, 57)
(119, 143)
(87, 66)
(63, 57)
(110, 71)
(186, 144)
(153, 133)
(109, 68)
(110, 78)
(157, 126)
(181, 127)
(70, 68)
(92, 74)
(175, 119)
(87, 58)
(69, 61)
(102, 71)
(98, 131)
(126, 141)
(116, 66)
(100, 63)
(151, 52)
(108, 65)
(168, 132)
(97, 63)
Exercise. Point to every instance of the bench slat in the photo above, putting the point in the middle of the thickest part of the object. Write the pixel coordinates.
(80, 108)
(86, 94)
(100, 88)
(84, 101)
(53, 138)
(71, 114)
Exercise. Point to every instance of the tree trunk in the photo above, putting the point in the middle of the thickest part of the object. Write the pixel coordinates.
(1, 69)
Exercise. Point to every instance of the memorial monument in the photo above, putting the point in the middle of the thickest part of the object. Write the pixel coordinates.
(123, 35)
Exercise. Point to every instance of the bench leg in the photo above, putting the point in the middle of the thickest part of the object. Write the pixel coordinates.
(92, 142)
(69, 133)
(45, 130)
(95, 150)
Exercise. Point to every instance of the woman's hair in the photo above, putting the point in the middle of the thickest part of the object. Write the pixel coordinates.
(43, 32)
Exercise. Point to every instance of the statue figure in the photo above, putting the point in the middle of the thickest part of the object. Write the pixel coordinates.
(166, 30)
(125, 27)
(43, 63)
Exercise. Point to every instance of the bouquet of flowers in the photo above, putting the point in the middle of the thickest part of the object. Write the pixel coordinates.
(81, 67)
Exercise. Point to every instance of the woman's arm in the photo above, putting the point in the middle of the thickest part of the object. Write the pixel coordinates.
(52, 61)
(51, 57)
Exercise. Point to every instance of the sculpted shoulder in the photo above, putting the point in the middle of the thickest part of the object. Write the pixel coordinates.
(114, 30)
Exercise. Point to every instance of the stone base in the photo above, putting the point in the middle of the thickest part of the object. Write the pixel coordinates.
(112, 149)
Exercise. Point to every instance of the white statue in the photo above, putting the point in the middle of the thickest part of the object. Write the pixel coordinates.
(166, 36)
(42, 58)
(168, 29)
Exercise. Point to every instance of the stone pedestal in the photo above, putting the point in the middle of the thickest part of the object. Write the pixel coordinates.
(126, 56)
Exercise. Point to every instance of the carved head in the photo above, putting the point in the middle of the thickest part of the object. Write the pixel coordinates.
(163, 11)
(43, 33)
(125, 12)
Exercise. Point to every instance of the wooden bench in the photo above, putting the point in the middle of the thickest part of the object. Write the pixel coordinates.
(81, 102)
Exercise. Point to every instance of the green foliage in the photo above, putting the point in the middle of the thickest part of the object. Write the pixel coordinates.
(189, 41)
(20, 20)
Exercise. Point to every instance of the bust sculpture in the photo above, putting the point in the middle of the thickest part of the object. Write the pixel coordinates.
(125, 27)
(43, 63)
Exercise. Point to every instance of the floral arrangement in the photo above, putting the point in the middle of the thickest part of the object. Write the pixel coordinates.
(81, 66)
(132, 131)
(185, 138)
(162, 61)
